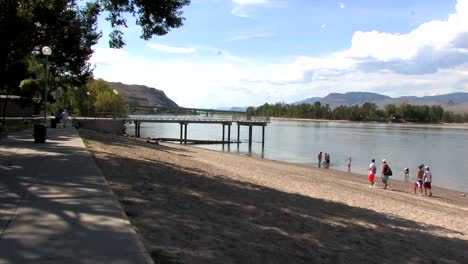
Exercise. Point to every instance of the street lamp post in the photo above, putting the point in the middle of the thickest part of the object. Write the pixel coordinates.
(113, 99)
(87, 103)
(46, 51)
(58, 92)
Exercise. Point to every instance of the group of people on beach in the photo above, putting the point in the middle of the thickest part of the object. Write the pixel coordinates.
(326, 160)
(423, 179)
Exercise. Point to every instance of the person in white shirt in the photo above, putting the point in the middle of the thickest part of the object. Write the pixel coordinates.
(64, 117)
(372, 170)
(427, 181)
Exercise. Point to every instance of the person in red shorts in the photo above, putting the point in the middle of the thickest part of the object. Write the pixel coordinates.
(372, 170)
(427, 181)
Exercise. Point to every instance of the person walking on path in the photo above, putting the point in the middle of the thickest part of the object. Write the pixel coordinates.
(386, 173)
(319, 157)
(349, 164)
(65, 117)
(419, 180)
(371, 171)
(427, 181)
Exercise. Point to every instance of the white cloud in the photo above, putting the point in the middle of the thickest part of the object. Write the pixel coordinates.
(169, 49)
(323, 26)
(249, 2)
(251, 36)
(431, 59)
(342, 5)
(242, 8)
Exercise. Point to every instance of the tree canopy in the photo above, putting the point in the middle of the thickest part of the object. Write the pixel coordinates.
(155, 17)
(365, 112)
(71, 31)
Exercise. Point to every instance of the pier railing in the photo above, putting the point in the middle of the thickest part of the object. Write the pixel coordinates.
(183, 118)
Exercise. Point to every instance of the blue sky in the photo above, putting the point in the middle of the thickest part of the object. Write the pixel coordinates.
(248, 52)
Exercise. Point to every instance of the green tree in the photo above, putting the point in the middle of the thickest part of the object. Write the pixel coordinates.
(156, 18)
(71, 31)
(103, 99)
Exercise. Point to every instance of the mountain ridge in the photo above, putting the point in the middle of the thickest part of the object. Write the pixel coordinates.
(457, 102)
(142, 95)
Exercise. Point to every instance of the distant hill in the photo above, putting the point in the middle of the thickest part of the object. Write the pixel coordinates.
(457, 102)
(233, 108)
(141, 95)
(310, 100)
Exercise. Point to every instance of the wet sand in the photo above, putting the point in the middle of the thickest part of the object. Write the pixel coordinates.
(195, 205)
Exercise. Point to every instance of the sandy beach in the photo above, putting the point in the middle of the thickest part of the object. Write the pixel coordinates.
(193, 205)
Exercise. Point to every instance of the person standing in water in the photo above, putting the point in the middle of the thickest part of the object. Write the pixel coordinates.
(319, 157)
(349, 164)
(406, 172)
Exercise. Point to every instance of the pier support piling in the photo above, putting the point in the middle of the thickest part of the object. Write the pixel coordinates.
(250, 135)
(181, 129)
(223, 133)
(185, 133)
(263, 136)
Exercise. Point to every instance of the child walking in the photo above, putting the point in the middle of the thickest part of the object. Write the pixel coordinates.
(419, 179)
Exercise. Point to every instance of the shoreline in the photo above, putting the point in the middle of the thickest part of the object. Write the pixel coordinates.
(409, 124)
(361, 176)
(461, 192)
(196, 205)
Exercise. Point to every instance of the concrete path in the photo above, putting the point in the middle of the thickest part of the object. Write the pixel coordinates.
(56, 207)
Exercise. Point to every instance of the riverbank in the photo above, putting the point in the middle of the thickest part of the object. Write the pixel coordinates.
(409, 124)
(199, 206)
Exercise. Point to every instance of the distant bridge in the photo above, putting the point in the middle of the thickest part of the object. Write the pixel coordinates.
(181, 109)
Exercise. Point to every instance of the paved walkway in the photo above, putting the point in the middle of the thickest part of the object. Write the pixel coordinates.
(56, 207)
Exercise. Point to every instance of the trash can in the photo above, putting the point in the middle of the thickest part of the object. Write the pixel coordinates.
(53, 123)
(40, 132)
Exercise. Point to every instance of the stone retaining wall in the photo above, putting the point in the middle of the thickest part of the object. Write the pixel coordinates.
(112, 126)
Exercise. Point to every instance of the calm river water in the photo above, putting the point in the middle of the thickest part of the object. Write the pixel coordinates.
(442, 148)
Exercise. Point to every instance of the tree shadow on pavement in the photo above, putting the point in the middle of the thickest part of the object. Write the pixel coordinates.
(56, 207)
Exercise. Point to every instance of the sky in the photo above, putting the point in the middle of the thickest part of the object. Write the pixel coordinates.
(251, 52)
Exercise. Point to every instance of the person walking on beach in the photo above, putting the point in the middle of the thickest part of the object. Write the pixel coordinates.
(419, 179)
(64, 117)
(349, 164)
(319, 157)
(386, 173)
(371, 171)
(427, 181)
(406, 172)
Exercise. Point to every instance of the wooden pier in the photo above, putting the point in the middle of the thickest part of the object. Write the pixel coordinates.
(184, 122)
